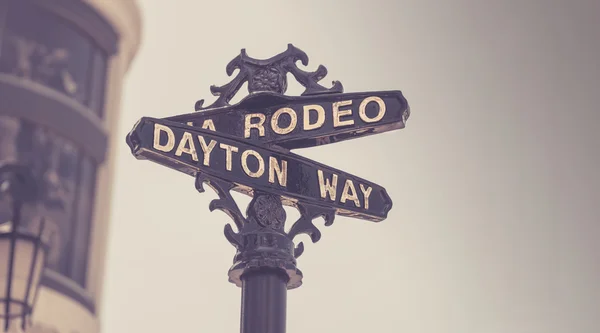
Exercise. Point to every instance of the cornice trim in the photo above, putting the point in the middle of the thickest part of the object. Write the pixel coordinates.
(44, 106)
(69, 289)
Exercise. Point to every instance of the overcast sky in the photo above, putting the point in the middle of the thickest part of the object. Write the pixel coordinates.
(495, 180)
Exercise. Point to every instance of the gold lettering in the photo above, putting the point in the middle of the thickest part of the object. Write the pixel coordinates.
(362, 109)
(261, 163)
(349, 193)
(207, 149)
(170, 138)
(281, 171)
(228, 152)
(187, 140)
(275, 121)
(248, 125)
(209, 125)
(326, 186)
(320, 117)
(366, 193)
(337, 114)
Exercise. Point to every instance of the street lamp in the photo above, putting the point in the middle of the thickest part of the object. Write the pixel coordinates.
(22, 253)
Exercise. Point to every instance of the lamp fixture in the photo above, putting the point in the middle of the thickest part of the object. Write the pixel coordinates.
(22, 252)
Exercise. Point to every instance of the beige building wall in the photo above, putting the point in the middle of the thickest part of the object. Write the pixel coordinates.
(125, 17)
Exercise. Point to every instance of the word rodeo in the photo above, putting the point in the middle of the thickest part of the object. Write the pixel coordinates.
(341, 115)
(305, 118)
(192, 149)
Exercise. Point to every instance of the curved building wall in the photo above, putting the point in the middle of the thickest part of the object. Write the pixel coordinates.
(62, 63)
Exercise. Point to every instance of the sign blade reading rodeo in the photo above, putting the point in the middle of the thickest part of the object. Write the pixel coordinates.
(305, 121)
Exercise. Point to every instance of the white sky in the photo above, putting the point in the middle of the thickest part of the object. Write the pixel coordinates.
(495, 225)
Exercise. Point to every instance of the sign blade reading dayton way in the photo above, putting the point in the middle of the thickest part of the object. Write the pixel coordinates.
(192, 150)
(246, 146)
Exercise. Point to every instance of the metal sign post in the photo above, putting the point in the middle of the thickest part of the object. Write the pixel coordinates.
(246, 148)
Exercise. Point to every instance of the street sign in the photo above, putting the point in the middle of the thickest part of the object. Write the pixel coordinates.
(305, 121)
(252, 166)
(246, 148)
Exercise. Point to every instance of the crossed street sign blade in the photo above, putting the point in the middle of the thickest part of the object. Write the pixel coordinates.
(305, 121)
(252, 165)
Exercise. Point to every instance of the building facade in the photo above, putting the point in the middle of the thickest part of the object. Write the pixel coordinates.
(62, 63)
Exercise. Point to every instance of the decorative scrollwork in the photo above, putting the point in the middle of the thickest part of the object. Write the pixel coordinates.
(260, 238)
(269, 75)
(225, 203)
(305, 225)
(267, 211)
(264, 211)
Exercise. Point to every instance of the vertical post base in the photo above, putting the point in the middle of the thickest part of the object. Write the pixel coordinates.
(264, 295)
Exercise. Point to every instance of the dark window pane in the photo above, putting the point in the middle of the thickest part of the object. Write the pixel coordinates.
(98, 82)
(9, 131)
(66, 181)
(3, 16)
(83, 222)
(56, 162)
(41, 47)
